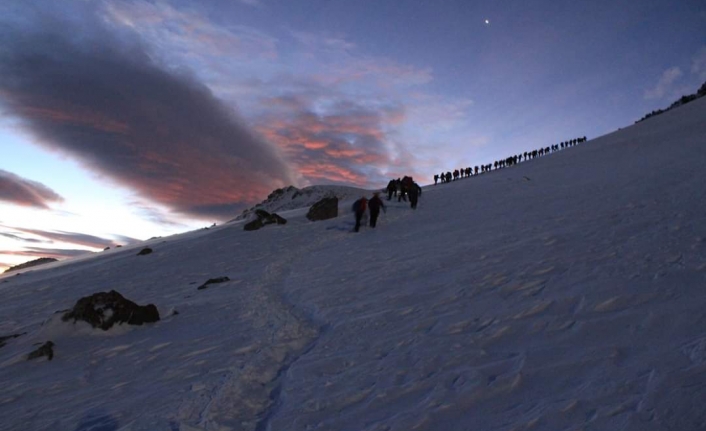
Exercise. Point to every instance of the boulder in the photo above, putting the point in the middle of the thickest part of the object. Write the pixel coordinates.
(254, 225)
(144, 251)
(105, 309)
(278, 219)
(4, 338)
(264, 218)
(213, 281)
(324, 209)
(262, 214)
(46, 349)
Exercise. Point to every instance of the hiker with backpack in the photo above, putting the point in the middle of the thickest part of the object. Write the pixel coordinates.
(375, 204)
(414, 193)
(391, 189)
(359, 208)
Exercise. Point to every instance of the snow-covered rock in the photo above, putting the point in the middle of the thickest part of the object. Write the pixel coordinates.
(291, 198)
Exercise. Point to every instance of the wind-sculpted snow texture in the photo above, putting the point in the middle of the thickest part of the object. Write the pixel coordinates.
(562, 294)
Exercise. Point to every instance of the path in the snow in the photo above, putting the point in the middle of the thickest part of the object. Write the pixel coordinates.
(214, 365)
(545, 296)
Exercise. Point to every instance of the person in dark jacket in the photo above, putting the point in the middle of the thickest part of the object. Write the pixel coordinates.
(375, 204)
(391, 189)
(414, 195)
(359, 208)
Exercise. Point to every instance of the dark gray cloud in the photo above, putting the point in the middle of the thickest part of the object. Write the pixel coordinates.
(156, 215)
(56, 253)
(81, 239)
(22, 191)
(17, 237)
(97, 94)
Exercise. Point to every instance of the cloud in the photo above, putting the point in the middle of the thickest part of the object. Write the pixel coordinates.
(102, 97)
(665, 85)
(293, 89)
(75, 238)
(157, 215)
(189, 34)
(698, 64)
(21, 191)
(342, 143)
(339, 62)
(20, 238)
(56, 253)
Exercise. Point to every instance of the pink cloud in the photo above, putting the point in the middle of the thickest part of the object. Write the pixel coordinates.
(24, 192)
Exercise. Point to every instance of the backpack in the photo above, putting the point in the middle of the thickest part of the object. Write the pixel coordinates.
(359, 205)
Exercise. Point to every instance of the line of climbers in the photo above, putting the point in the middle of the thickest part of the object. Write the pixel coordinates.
(401, 188)
(512, 160)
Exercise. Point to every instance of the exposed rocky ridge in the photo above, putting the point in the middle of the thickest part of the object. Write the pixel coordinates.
(31, 263)
(290, 198)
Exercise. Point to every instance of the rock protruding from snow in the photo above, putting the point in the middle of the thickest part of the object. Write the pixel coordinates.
(213, 281)
(292, 198)
(324, 209)
(144, 251)
(253, 225)
(264, 218)
(40, 261)
(278, 195)
(46, 349)
(105, 309)
(4, 338)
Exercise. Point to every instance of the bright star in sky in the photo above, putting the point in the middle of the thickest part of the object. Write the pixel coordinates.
(487, 21)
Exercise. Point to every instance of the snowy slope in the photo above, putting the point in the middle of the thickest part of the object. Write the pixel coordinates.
(566, 293)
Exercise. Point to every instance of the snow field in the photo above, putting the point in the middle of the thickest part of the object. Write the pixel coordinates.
(565, 293)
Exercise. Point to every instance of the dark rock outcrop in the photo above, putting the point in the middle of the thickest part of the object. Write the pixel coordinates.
(144, 251)
(213, 281)
(324, 209)
(105, 309)
(277, 195)
(4, 338)
(278, 219)
(40, 261)
(264, 218)
(46, 349)
(253, 225)
(262, 214)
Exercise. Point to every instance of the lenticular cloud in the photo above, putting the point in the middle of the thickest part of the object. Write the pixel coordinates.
(101, 97)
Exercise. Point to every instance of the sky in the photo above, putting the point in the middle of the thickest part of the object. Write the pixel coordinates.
(573, 301)
(125, 120)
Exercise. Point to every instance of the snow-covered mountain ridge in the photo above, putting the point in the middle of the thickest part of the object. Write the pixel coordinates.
(564, 293)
